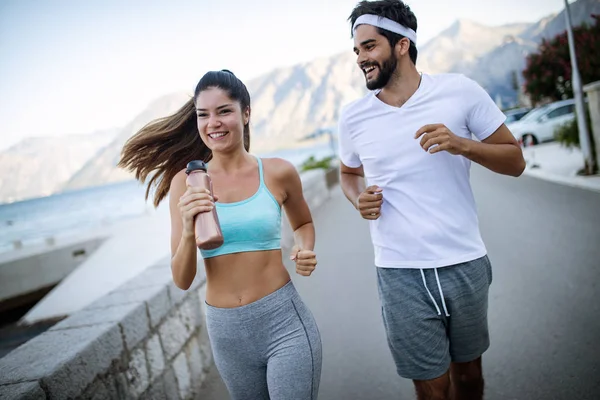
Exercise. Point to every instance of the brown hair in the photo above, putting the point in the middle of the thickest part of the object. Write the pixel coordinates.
(163, 147)
(395, 10)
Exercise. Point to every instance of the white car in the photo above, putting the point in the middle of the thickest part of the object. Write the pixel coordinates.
(515, 114)
(538, 125)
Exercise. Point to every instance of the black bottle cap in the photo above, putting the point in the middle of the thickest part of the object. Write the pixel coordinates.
(195, 166)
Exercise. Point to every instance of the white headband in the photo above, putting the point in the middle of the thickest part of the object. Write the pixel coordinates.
(387, 24)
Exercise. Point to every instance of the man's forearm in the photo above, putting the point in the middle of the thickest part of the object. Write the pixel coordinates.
(506, 159)
(352, 186)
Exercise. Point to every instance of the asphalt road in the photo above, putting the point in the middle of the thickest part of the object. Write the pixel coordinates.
(544, 243)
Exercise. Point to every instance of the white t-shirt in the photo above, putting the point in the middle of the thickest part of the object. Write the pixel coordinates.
(428, 216)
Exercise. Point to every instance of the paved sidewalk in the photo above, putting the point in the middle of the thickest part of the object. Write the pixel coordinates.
(543, 307)
(556, 163)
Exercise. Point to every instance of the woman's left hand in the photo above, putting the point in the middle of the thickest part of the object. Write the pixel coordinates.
(306, 261)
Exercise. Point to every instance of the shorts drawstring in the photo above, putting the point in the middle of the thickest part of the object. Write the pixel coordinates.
(437, 278)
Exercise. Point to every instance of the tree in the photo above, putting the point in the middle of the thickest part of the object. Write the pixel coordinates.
(548, 71)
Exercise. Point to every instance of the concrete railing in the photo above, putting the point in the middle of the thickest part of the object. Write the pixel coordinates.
(146, 339)
(24, 275)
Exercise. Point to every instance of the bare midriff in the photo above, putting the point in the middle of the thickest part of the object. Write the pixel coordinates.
(234, 280)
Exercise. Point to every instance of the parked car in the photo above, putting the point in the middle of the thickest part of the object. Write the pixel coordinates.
(538, 125)
(515, 114)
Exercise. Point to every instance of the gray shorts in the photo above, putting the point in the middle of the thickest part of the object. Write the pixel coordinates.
(426, 332)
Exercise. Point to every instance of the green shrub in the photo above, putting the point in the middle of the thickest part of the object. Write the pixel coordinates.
(568, 134)
(312, 163)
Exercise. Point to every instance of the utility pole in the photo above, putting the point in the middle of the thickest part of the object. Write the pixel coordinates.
(584, 136)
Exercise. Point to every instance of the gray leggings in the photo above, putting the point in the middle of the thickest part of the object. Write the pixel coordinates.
(268, 349)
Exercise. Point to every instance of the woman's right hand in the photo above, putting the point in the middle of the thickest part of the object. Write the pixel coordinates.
(194, 201)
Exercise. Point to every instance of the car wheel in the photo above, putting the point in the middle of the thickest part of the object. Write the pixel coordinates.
(529, 140)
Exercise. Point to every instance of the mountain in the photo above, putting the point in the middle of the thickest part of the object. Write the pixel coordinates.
(536, 32)
(39, 166)
(287, 104)
(101, 169)
(290, 103)
(547, 28)
(494, 69)
(462, 44)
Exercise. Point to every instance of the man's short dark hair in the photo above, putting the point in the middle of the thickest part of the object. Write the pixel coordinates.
(395, 10)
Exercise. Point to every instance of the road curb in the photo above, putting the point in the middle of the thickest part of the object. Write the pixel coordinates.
(580, 182)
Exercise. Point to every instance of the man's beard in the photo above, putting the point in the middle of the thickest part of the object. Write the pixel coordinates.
(386, 71)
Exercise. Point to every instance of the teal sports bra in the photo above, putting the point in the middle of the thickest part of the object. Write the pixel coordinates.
(253, 224)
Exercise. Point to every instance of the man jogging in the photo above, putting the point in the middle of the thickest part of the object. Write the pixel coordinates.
(411, 139)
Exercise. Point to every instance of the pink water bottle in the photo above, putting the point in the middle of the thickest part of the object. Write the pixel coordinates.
(206, 225)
